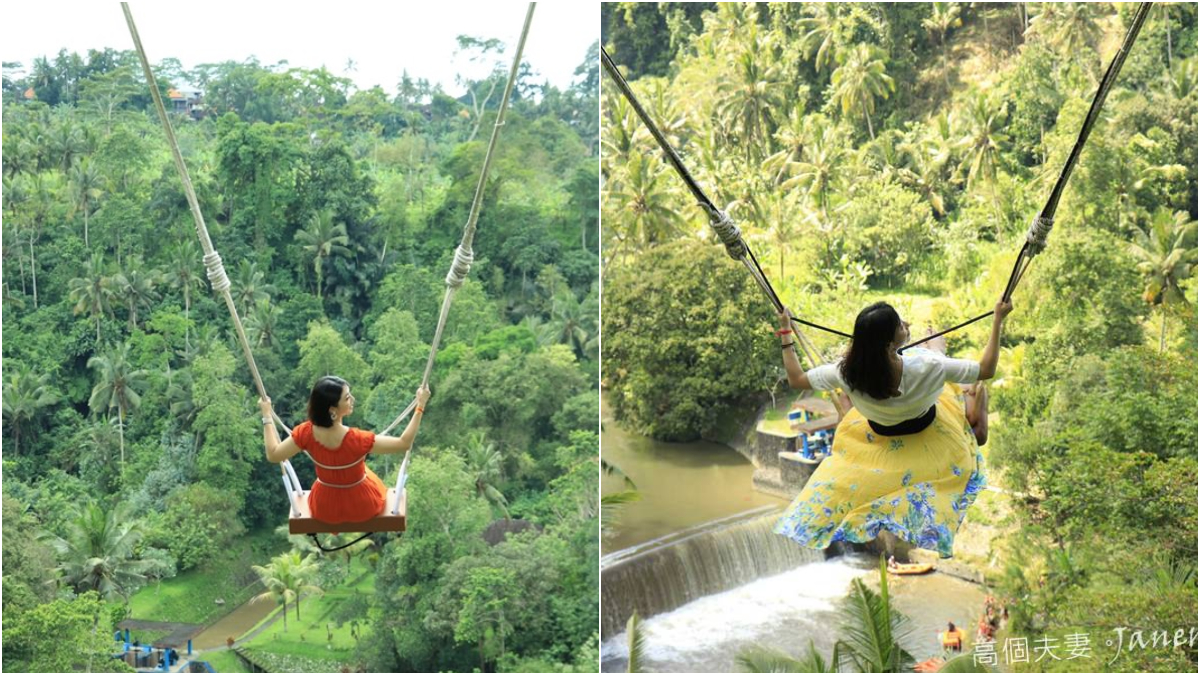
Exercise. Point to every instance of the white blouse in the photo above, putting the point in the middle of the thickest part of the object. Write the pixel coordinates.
(924, 372)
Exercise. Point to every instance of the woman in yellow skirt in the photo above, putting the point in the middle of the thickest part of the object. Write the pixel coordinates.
(906, 459)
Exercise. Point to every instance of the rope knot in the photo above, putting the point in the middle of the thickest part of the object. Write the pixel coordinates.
(1039, 229)
(216, 272)
(463, 257)
(728, 231)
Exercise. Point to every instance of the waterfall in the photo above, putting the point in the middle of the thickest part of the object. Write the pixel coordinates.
(671, 571)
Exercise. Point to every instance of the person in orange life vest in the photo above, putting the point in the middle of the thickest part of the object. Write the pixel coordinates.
(346, 491)
(952, 638)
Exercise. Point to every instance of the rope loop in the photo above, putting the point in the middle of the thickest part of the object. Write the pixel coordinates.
(461, 267)
(216, 272)
(1039, 229)
(728, 231)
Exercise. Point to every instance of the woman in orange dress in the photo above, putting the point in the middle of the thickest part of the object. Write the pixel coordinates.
(346, 491)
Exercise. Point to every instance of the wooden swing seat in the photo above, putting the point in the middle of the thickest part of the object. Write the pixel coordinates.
(384, 522)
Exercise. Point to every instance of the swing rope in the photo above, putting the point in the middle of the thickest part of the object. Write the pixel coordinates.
(459, 269)
(1035, 238)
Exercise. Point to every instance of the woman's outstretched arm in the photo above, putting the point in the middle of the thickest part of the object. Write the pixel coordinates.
(277, 450)
(386, 445)
(797, 378)
(991, 353)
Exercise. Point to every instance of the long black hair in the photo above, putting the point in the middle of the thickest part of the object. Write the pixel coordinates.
(867, 367)
(326, 394)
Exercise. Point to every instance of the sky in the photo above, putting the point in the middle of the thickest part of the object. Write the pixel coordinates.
(383, 39)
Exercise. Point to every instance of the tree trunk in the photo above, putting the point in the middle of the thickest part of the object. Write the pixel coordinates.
(1167, 22)
(85, 226)
(1162, 335)
(870, 129)
(121, 431)
(33, 272)
(187, 309)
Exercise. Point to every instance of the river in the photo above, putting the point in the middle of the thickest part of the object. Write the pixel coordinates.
(681, 484)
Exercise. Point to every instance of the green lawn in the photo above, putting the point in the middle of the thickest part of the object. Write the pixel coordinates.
(191, 597)
(225, 662)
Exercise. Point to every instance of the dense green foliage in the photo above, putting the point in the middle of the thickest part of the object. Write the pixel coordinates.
(897, 151)
(131, 435)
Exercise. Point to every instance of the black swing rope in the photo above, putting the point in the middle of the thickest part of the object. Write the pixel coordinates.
(1035, 240)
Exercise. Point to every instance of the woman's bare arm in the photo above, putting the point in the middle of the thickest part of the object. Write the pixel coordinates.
(277, 450)
(991, 353)
(797, 378)
(387, 445)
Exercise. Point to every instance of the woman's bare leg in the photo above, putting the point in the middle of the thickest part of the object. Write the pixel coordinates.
(977, 411)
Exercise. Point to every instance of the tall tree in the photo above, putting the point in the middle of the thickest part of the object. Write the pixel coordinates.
(1166, 255)
(93, 292)
(118, 386)
(287, 577)
(485, 463)
(137, 285)
(860, 80)
(751, 95)
(182, 274)
(250, 286)
(983, 140)
(26, 395)
(647, 205)
(1070, 28)
(98, 551)
(943, 16)
(85, 182)
(323, 239)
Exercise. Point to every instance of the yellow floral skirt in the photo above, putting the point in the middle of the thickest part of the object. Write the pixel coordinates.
(918, 486)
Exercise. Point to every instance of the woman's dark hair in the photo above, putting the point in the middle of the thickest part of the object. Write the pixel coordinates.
(326, 394)
(951, 626)
(866, 367)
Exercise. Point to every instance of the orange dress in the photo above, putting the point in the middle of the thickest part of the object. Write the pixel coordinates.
(346, 491)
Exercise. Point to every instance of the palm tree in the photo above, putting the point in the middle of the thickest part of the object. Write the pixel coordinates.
(85, 181)
(93, 292)
(747, 101)
(137, 286)
(822, 33)
(249, 286)
(820, 168)
(261, 324)
(321, 240)
(645, 199)
(182, 274)
(43, 190)
(97, 553)
(637, 643)
(117, 388)
(1166, 256)
(1070, 28)
(760, 659)
(611, 503)
(943, 17)
(65, 144)
(860, 80)
(286, 578)
(983, 140)
(486, 464)
(179, 398)
(571, 321)
(25, 395)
